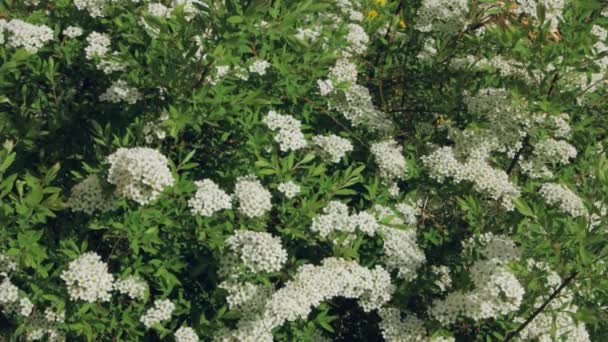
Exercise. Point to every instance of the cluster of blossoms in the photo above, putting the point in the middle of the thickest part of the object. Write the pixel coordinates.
(246, 297)
(9, 293)
(254, 200)
(307, 34)
(94, 7)
(88, 279)
(446, 17)
(161, 311)
(7, 265)
(491, 246)
(288, 131)
(562, 197)
(72, 32)
(132, 286)
(548, 151)
(258, 251)
(153, 130)
(390, 160)
(408, 329)
(25, 35)
(259, 67)
(88, 196)
(209, 199)
(289, 189)
(139, 173)
(401, 252)
(333, 146)
(185, 334)
(357, 39)
(98, 45)
(444, 280)
(46, 325)
(335, 218)
(120, 91)
(311, 286)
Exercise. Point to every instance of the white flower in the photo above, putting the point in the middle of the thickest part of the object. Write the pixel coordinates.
(390, 161)
(121, 91)
(246, 297)
(289, 189)
(401, 252)
(88, 196)
(259, 66)
(396, 329)
(357, 39)
(25, 307)
(88, 279)
(72, 31)
(186, 334)
(209, 199)
(334, 146)
(28, 36)
(98, 45)
(259, 251)
(132, 286)
(562, 197)
(325, 86)
(288, 131)
(9, 293)
(94, 7)
(159, 10)
(254, 200)
(161, 311)
(307, 34)
(139, 173)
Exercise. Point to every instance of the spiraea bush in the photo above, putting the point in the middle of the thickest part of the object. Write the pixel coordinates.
(303, 170)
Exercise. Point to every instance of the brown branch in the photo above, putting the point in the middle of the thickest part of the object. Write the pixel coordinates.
(510, 336)
(524, 144)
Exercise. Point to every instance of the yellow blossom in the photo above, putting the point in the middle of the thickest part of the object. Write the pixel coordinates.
(381, 2)
(401, 24)
(372, 14)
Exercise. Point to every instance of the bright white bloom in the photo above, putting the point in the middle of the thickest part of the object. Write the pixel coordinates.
(390, 161)
(444, 280)
(254, 200)
(259, 251)
(25, 307)
(443, 16)
(120, 91)
(159, 10)
(94, 7)
(52, 316)
(88, 196)
(88, 279)
(334, 146)
(555, 151)
(246, 297)
(344, 71)
(7, 265)
(289, 189)
(325, 86)
(139, 173)
(161, 311)
(492, 246)
(562, 197)
(132, 286)
(259, 66)
(111, 63)
(72, 31)
(186, 334)
(357, 39)
(401, 252)
(496, 292)
(409, 213)
(98, 45)
(334, 217)
(28, 36)
(209, 199)
(307, 34)
(288, 131)
(311, 286)
(9, 293)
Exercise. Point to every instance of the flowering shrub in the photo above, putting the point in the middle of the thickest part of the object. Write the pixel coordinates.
(348, 170)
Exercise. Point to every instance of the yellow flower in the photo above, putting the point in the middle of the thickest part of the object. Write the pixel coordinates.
(401, 24)
(381, 2)
(372, 14)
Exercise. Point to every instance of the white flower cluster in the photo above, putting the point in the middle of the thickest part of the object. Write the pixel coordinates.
(185, 334)
(253, 198)
(565, 199)
(496, 292)
(307, 34)
(9, 293)
(397, 329)
(88, 279)
(209, 199)
(259, 67)
(311, 286)
(390, 160)
(88, 196)
(28, 36)
(335, 218)
(132, 286)
(94, 7)
(258, 251)
(410, 211)
(98, 45)
(7, 265)
(357, 39)
(491, 246)
(333, 146)
(161, 311)
(154, 130)
(289, 189)
(289, 134)
(444, 280)
(247, 297)
(139, 173)
(344, 71)
(445, 16)
(11, 302)
(159, 10)
(46, 325)
(545, 152)
(72, 32)
(120, 91)
(401, 252)
(443, 164)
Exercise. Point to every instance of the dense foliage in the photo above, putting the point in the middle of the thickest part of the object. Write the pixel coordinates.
(303, 170)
